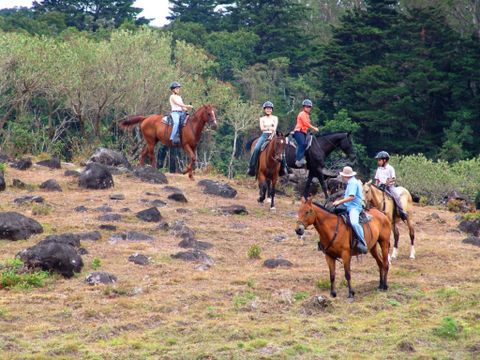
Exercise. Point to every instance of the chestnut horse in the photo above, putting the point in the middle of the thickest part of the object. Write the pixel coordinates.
(269, 163)
(335, 238)
(383, 202)
(154, 129)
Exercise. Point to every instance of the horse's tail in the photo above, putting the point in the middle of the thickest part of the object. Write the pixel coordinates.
(249, 143)
(131, 121)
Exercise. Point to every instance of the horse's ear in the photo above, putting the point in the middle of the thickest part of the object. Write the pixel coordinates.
(369, 182)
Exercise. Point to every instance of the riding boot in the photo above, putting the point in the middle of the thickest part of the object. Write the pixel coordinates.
(300, 163)
(403, 215)
(284, 170)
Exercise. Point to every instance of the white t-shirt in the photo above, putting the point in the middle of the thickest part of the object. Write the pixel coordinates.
(384, 173)
(269, 122)
(178, 99)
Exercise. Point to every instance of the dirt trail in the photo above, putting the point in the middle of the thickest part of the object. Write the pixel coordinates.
(236, 309)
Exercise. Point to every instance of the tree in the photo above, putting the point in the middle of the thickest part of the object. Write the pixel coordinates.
(92, 14)
(195, 11)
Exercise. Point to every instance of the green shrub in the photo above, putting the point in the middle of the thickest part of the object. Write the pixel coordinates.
(240, 300)
(41, 209)
(299, 296)
(3, 166)
(96, 263)
(12, 276)
(448, 329)
(434, 179)
(254, 252)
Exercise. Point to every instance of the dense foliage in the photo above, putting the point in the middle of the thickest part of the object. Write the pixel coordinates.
(402, 76)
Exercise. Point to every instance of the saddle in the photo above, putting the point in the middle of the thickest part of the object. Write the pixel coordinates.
(167, 119)
(342, 211)
(290, 140)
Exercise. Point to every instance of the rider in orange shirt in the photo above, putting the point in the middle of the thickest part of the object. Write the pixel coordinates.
(300, 132)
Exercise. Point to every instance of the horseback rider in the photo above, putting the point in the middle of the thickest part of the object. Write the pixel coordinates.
(385, 180)
(268, 126)
(178, 111)
(353, 203)
(300, 132)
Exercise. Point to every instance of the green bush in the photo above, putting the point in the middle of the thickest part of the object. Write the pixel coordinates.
(254, 252)
(448, 329)
(96, 263)
(434, 179)
(12, 276)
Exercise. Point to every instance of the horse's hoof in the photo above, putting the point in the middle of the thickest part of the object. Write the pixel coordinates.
(333, 294)
(273, 209)
(412, 254)
(351, 294)
(394, 253)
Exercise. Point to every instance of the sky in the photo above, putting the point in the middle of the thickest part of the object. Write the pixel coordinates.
(153, 9)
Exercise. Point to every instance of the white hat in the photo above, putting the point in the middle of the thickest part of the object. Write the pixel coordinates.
(348, 172)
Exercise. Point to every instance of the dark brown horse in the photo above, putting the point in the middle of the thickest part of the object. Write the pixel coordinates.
(269, 163)
(335, 238)
(154, 129)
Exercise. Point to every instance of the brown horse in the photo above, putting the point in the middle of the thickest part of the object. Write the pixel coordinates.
(383, 202)
(269, 163)
(154, 129)
(335, 238)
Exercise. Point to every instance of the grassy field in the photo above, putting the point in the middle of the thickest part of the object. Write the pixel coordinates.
(237, 309)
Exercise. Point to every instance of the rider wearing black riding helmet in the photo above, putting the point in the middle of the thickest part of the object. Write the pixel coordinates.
(385, 179)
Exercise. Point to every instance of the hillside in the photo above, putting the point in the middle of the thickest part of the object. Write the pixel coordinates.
(237, 308)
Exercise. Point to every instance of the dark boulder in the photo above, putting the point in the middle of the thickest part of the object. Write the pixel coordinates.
(171, 189)
(52, 256)
(124, 210)
(109, 157)
(470, 227)
(182, 211)
(82, 251)
(189, 243)
(104, 209)
(22, 164)
(53, 163)
(180, 229)
(72, 173)
(131, 236)
(19, 184)
(28, 199)
(163, 226)
(3, 185)
(108, 227)
(96, 278)
(117, 197)
(66, 239)
(158, 203)
(110, 217)
(233, 210)
(278, 262)
(150, 215)
(15, 226)
(472, 240)
(150, 175)
(90, 235)
(51, 185)
(81, 209)
(139, 259)
(95, 176)
(178, 197)
(193, 256)
(211, 187)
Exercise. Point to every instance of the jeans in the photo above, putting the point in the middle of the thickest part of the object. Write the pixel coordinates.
(354, 215)
(301, 139)
(176, 115)
(256, 150)
(392, 192)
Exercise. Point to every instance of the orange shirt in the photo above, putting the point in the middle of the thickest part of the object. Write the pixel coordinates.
(303, 122)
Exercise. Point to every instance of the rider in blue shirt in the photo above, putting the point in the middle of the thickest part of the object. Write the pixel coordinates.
(353, 203)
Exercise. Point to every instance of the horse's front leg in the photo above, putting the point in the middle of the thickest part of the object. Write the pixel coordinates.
(262, 187)
(272, 196)
(142, 155)
(308, 184)
(346, 258)
(396, 236)
(192, 158)
(322, 182)
(331, 267)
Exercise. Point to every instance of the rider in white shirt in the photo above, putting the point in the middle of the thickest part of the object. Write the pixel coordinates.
(178, 110)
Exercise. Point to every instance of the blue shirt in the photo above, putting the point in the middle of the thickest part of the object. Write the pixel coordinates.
(353, 188)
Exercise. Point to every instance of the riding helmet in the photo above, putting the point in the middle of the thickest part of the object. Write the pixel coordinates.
(307, 102)
(267, 104)
(382, 155)
(175, 85)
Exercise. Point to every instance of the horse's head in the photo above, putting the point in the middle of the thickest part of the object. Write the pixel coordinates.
(367, 192)
(279, 146)
(346, 145)
(305, 217)
(210, 116)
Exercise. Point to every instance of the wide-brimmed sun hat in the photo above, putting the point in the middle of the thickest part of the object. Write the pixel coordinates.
(347, 172)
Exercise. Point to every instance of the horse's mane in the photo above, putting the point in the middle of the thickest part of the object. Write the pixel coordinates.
(332, 133)
(317, 204)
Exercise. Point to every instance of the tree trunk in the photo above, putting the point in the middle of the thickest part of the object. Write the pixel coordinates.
(232, 157)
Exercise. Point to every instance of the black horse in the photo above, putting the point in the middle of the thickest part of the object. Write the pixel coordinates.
(322, 146)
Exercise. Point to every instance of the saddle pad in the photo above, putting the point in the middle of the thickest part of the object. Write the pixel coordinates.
(289, 141)
(167, 119)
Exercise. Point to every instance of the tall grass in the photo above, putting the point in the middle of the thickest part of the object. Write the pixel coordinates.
(434, 179)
